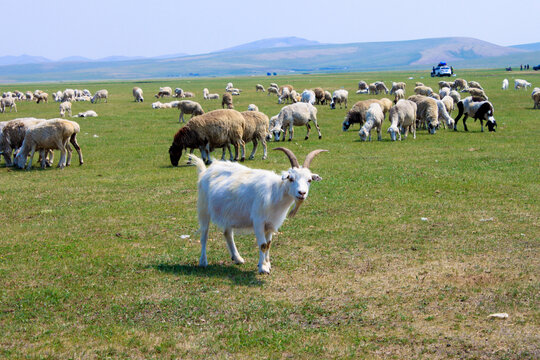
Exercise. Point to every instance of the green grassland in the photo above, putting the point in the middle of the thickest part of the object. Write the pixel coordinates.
(93, 263)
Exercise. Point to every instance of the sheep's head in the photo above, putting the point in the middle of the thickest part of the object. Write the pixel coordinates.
(333, 104)
(487, 110)
(175, 152)
(393, 131)
(20, 160)
(346, 123)
(275, 128)
(433, 126)
(364, 134)
(298, 178)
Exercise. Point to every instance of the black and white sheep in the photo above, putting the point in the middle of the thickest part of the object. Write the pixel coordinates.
(482, 110)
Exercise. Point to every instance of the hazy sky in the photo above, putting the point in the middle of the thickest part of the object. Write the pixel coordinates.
(99, 28)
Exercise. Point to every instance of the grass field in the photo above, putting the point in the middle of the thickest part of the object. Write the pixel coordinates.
(93, 263)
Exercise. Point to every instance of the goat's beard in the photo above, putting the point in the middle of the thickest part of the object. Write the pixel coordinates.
(297, 204)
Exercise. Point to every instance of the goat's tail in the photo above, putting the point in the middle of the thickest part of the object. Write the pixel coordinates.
(201, 167)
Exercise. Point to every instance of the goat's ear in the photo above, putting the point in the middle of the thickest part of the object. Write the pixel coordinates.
(315, 177)
(285, 176)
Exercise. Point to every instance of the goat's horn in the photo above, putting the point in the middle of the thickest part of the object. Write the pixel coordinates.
(290, 155)
(310, 157)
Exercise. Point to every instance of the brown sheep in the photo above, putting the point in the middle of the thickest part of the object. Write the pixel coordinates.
(478, 93)
(189, 107)
(535, 95)
(255, 130)
(319, 95)
(12, 136)
(357, 114)
(280, 91)
(41, 97)
(214, 129)
(226, 99)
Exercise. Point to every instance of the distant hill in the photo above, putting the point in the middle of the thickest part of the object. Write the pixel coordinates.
(22, 59)
(528, 47)
(259, 58)
(282, 42)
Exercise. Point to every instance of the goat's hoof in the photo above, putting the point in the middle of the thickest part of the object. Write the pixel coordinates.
(320, 137)
(265, 270)
(251, 158)
(203, 263)
(242, 159)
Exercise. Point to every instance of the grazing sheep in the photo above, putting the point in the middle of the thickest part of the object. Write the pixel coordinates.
(381, 87)
(372, 89)
(88, 113)
(319, 95)
(459, 84)
(475, 85)
(274, 85)
(478, 93)
(398, 95)
(57, 96)
(448, 103)
(233, 196)
(505, 84)
(227, 100)
(160, 105)
(535, 95)
(294, 115)
(418, 84)
(290, 87)
(178, 93)
(327, 97)
(402, 117)
(362, 85)
(255, 130)
(444, 116)
(253, 107)
(308, 96)
(189, 107)
(188, 94)
(423, 90)
(444, 91)
(65, 106)
(339, 96)
(7, 102)
(520, 83)
(13, 135)
(285, 96)
(208, 96)
(482, 110)
(68, 95)
(52, 134)
(295, 97)
(41, 97)
(455, 96)
(397, 86)
(164, 91)
(29, 96)
(214, 129)
(357, 114)
(427, 112)
(87, 92)
(272, 90)
(138, 94)
(443, 84)
(259, 87)
(100, 95)
(83, 98)
(374, 118)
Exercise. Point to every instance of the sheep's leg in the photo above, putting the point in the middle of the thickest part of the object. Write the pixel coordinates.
(181, 118)
(75, 144)
(308, 127)
(263, 247)
(235, 256)
(481, 125)
(265, 149)
(284, 134)
(31, 157)
(255, 144)
(464, 122)
(43, 157)
(69, 153)
(317, 127)
(62, 162)
(379, 135)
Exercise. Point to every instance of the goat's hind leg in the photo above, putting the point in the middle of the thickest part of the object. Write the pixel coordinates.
(264, 263)
(235, 256)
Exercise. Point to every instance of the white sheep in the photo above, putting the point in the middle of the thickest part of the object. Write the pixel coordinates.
(208, 96)
(88, 113)
(448, 103)
(520, 83)
(423, 90)
(164, 91)
(259, 87)
(179, 93)
(455, 96)
(100, 95)
(397, 86)
(374, 118)
(339, 96)
(362, 85)
(229, 86)
(253, 107)
(535, 95)
(297, 114)
(160, 105)
(402, 117)
(398, 95)
(381, 87)
(505, 84)
(460, 84)
(308, 96)
(272, 90)
(444, 91)
(233, 196)
(285, 96)
(138, 94)
(57, 96)
(475, 85)
(427, 112)
(443, 115)
(7, 102)
(68, 95)
(65, 107)
(52, 134)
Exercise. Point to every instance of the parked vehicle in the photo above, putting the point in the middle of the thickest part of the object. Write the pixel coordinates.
(442, 69)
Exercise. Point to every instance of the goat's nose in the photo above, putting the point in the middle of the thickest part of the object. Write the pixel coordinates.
(301, 193)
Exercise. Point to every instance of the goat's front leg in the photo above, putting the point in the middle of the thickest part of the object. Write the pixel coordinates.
(235, 256)
(268, 242)
(264, 267)
(308, 127)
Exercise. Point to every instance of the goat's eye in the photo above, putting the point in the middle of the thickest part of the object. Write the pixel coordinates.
(309, 180)
(291, 179)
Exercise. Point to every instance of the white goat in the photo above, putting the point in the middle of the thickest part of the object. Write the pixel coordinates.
(505, 84)
(520, 83)
(233, 196)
